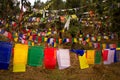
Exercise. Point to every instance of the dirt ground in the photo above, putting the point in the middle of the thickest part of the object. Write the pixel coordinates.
(95, 72)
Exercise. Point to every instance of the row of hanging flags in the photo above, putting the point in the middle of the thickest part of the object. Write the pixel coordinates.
(48, 57)
(36, 37)
(32, 20)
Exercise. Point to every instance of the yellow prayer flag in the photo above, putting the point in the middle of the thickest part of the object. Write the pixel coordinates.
(90, 56)
(38, 34)
(19, 68)
(30, 38)
(28, 34)
(45, 39)
(33, 43)
(16, 39)
(16, 34)
(83, 62)
(54, 44)
(20, 57)
(107, 37)
(90, 44)
(75, 40)
(63, 31)
(80, 35)
(104, 46)
(99, 38)
(48, 33)
(117, 48)
(90, 61)
(7, 25)
(74, 16)
(88, 40)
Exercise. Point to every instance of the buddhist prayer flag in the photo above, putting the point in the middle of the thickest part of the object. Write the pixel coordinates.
(75, 40)
(91, 56)
(67, 24)
(74, 16)
(63, 58)
(35, 56)
(110, 58)
(5, 54)
(112, 45)
(60, 40)
(19, 68)
(105, 54)
(78, 52)
(83, 62)
(118, 55)
(20, 57)
(104, 46)
(50, 58)
(98, 57)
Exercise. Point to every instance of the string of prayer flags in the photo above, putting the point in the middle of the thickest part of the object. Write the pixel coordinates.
(35, 56)
(50, 58)
(5, 54)
(63, 58)
(83, 61)
(91, 56)
(98, 57)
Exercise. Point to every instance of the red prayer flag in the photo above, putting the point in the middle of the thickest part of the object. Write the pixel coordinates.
(105, 55)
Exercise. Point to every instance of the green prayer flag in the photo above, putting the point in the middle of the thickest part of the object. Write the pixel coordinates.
(42, 39)
(29, 43)
(98, 57)
(35, 55)
(57, 41)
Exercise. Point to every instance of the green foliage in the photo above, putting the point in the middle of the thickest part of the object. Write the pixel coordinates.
(73, 30)
(57, 4)
(73, 3)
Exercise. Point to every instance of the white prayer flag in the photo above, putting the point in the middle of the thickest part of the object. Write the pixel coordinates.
(67, 23)
(63, 58)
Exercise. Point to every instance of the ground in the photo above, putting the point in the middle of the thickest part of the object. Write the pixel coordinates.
(95, 72)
